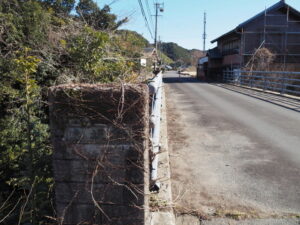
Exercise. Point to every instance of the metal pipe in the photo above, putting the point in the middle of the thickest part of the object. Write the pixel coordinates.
(155, 87)
(155, 83)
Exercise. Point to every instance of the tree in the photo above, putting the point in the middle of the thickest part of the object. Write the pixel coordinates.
(100, 19)
(87, 9)
(25, 164)
(40, 42)
(60, 6)
(35, 23)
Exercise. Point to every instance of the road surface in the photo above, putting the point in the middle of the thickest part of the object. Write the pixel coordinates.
(232, 155)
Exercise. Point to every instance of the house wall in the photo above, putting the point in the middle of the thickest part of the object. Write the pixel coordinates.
(279, 32)
(276, 35)
(215, 63)
(232, 60)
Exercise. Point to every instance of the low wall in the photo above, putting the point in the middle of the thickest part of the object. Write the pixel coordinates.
(100, 136)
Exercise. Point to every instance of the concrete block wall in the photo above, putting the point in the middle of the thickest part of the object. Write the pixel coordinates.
(100, 137)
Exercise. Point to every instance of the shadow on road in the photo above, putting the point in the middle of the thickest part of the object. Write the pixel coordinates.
(180, 79)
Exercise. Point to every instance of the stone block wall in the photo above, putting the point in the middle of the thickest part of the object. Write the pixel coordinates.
(101, 157)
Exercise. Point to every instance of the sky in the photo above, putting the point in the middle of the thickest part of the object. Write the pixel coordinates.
(182, 20)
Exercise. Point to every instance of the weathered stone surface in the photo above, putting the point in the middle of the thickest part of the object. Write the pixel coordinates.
(84, 193)
(114, 154)
(106, 215)
(86, 135)
(73, 214)
(86, 171)
(101, 161)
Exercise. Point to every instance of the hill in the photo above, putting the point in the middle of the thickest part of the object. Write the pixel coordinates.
(165, 59)
(195, 55)
(139, 38)
(180, 55)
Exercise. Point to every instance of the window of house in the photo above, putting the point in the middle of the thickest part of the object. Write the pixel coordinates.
(231, 45)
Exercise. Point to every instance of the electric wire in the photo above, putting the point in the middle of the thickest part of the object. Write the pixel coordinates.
(113, 2)
(149, 13)
(145, 18)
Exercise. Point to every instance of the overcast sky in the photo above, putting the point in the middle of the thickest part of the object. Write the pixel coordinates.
(182, 20)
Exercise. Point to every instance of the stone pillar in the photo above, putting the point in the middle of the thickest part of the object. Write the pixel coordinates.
(101, 158)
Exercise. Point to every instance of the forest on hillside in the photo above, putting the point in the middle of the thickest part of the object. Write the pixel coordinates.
(45, 43)
(181, 56)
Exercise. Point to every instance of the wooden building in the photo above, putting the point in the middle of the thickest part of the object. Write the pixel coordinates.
(202, 68)
(277, 28)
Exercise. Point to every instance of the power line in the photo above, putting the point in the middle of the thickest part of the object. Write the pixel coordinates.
(113, 2)
(145, 18)
(149, 13)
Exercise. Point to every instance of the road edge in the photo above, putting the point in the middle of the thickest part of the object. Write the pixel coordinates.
(161, 203)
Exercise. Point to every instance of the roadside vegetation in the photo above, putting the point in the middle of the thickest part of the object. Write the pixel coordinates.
(44, 43)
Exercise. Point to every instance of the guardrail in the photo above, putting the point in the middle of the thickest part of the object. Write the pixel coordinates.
(282, 82)
(155, 87)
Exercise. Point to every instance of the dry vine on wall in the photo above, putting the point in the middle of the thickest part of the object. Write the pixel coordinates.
(100, 136)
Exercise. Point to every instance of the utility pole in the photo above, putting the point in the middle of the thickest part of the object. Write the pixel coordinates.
(159, 7)
(159, 49)
(204, 33)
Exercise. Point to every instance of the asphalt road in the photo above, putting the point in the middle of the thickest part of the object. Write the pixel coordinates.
(232, 155)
